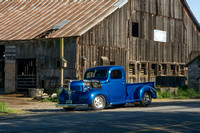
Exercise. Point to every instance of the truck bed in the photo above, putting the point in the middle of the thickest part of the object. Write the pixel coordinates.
(134, 88)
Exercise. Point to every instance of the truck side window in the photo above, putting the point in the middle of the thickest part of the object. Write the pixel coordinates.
(116, 74)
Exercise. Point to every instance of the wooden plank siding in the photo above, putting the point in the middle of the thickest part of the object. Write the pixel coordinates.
(113, 38)
(46, 52)
(108, 38)
(142, 57)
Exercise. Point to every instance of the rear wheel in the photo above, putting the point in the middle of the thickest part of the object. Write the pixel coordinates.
(98, 102)
(146, 99)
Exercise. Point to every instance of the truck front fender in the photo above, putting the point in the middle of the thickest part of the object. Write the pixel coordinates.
(95, 92)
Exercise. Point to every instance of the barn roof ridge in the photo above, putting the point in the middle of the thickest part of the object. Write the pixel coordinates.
(190, 13)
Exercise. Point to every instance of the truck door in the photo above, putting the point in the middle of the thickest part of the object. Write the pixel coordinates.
(117, 86)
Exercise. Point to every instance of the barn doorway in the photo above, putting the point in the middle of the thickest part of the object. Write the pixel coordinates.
(26, 74)
(2, 66)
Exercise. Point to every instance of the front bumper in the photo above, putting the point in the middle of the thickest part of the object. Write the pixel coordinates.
(71, 105)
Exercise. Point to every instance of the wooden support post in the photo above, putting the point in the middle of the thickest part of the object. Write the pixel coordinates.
(61, 57)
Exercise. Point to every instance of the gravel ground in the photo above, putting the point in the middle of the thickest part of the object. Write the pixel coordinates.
(18, 101)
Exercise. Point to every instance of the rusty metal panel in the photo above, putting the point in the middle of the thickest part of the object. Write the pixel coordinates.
(27, 19)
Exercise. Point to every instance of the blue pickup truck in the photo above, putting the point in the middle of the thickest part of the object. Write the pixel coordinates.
(105, 85)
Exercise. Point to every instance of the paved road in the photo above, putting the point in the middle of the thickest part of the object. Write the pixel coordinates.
(173, 116)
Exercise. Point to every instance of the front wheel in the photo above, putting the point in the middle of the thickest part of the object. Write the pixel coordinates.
(146, 99)
(98, 102)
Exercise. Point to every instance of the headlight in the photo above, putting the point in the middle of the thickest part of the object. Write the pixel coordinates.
(86, 85)
(86, 88)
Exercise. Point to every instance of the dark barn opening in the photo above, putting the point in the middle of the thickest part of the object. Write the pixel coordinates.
(135, 29)
(2, 66)
(26, 73)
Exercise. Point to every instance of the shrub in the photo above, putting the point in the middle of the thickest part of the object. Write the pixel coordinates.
(183, 93)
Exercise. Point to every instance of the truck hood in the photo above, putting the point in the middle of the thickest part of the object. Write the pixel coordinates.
(77, 86)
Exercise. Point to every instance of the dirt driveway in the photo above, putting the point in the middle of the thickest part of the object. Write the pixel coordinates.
(18, 101)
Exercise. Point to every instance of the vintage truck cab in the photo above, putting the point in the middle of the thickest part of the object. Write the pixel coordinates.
(105, 85)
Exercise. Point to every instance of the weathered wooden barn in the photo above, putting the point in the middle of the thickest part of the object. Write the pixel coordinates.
(148, 37)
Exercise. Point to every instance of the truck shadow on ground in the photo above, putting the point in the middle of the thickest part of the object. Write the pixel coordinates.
(155, 118)
(126, 107)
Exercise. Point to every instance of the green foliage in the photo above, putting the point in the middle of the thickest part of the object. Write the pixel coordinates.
(55, 99)
(4, 109)
(183, 93)
(164, 94)
(188, 93)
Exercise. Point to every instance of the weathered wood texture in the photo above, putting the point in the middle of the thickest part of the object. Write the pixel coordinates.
(115, 32)
(165, 15)
(142, 57)
(108, 38)
(47, 53)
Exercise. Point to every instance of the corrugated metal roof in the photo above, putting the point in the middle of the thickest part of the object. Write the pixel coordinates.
(26, 19)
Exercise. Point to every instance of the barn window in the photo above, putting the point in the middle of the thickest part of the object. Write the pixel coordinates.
(144, 69)
(135, 29)
(173, 70)
(154, 69)
(132, 69)
(180, 69)
(163, 69)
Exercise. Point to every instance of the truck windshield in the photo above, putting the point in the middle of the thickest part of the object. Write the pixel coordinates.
(96, 74)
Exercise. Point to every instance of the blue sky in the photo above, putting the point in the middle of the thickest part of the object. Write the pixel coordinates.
(195, 7)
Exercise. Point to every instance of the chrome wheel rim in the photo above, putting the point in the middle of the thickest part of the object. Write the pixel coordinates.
(98, 102)
(146, 98)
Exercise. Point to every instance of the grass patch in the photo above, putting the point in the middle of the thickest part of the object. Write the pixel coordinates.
(5, 110)
(50, 99)
(183, 93)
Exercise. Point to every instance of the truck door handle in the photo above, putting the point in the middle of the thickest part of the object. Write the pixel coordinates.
(123, 83)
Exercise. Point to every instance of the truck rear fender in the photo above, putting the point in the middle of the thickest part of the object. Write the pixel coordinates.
(149, 89)
(142, 89)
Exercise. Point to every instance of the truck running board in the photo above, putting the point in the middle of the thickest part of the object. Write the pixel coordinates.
(71, 105)
(123, 102)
